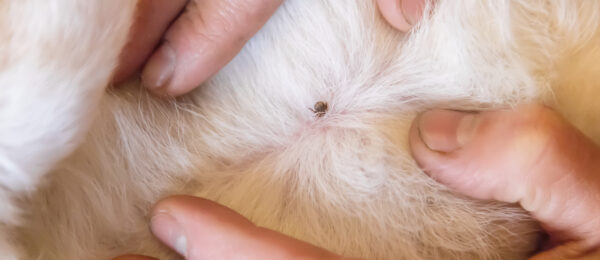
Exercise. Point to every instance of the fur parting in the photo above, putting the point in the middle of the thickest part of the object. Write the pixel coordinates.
(248, 139)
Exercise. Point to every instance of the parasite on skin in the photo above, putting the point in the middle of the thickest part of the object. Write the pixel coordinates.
(319, 109)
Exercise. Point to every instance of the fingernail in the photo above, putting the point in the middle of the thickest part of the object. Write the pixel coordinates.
(168, 230)
(412, 10)
(159, 70)
(446, 130)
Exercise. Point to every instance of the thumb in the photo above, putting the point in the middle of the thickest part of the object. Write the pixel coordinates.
(200, 229)
(202, 40)
(568, 251)
(528, 155)
(402, 14)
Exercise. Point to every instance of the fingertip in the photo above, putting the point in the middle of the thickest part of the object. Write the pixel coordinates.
(166, 204)
(446, 131)
(402, 14)
(391, 10)
(159, 70)
(456, 168)
(429, 160)
(215, 230)
(183, 207)
(151, 20)
(191, 225)
(412, 10)
(178, 221)
(202, 41)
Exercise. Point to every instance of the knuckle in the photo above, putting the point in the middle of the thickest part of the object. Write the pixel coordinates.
(250, 9)
(229, 22)
(208, 28)
(219, 22)
(538, 131)
(540, 121)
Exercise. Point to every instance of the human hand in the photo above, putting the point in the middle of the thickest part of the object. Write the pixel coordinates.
(201, 229)
(530, 156)
(198, 220)
(199, 41)
(196, 43)
(402, 14)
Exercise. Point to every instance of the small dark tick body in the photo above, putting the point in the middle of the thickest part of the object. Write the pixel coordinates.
(319, 109)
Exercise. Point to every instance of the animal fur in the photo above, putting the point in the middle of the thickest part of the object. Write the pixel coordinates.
(80, 166)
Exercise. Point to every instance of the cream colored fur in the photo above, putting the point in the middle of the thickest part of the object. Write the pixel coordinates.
(247, 139)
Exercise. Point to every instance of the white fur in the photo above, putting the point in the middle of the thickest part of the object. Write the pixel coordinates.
(247, 138)
(50, 84)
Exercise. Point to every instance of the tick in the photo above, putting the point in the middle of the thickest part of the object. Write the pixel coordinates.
(319, 109)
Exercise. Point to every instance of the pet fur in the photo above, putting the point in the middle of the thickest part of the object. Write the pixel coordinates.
(81, 166)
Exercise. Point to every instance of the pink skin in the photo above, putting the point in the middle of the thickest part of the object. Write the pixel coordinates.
(199, 37)
(401, 14)
(213, 231)
(529, 155)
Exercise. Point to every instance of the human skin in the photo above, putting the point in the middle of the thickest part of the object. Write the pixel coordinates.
(179, 44)
(528, 155)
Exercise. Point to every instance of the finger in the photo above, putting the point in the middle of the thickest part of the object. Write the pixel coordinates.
(529, 155)
(401, 14)
(151, 21)
(569, 251)
(134, 257)
(200, 229)
(202, 40)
